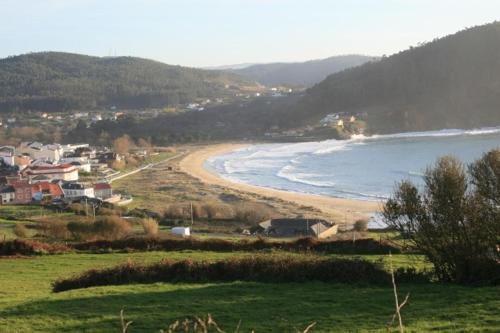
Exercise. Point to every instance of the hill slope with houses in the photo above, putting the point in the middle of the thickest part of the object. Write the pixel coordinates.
(40, 173)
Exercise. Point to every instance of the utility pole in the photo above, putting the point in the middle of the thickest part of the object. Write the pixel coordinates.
(192, 219)
(86, 208)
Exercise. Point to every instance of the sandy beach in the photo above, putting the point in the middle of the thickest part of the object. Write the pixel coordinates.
(344, 211)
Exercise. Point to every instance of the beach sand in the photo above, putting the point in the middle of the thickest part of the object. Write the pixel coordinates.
(342, 211)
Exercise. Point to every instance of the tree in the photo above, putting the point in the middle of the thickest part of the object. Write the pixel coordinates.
(123, 144)
(455, 220)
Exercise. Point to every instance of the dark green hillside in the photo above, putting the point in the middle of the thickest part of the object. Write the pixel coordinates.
(304, 74)
(52, 81)
(450, 82)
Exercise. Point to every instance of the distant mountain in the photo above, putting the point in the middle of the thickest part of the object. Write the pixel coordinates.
(450, 82)
(226, 67)
(53, 81)
(303, 74)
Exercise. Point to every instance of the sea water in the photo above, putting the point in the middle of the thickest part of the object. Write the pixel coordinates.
(364, 168)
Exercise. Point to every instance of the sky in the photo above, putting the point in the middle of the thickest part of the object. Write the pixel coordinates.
(202, 33)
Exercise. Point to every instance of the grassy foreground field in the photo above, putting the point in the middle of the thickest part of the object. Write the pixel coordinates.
(27, 304)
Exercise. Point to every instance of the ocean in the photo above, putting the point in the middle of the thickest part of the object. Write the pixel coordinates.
(363, 168)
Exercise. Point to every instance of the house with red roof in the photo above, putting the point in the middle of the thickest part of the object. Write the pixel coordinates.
(48, 173)
(46, 190)
(103, 191)
(22, 192)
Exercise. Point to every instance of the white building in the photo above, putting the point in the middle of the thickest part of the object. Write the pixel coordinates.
(103, 191)
(77, 190)
(39, 151)
(181, 231)
(7, 155)
(81, 163)
(37, 173)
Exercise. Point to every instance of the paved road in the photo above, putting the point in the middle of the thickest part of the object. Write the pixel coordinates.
(112, 179)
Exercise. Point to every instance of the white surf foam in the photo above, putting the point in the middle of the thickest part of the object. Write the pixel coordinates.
(440, 133)
(288, 172)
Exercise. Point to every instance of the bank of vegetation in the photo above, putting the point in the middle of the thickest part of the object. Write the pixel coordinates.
(56, 81)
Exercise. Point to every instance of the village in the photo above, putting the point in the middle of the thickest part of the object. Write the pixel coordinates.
(41, 173)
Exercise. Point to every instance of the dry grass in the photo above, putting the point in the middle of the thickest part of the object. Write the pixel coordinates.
(150, 226)
(170, 193)
(196, 324)
(20, 230)
(109, 227)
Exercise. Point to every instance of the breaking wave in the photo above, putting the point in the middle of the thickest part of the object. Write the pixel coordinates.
(363, 167)
(288, 172)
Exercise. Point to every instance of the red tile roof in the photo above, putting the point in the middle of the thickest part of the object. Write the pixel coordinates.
(51, 167)
(102, 186)
(53, 189)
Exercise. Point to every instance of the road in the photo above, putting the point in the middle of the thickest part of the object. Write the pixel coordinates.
(112, 179)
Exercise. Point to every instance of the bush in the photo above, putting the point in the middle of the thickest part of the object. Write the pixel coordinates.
(361, 225)
(258, 268)
(454, 222)
(109, 227)
(107, 211)
(57, 229)
(29, 248)
(78, 209)
(150, 226)
(20, 230)
(362, 246)
(176, 211)
(252, 212)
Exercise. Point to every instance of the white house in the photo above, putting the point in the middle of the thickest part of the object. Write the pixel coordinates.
(65, 172)
(77, 190)
(81, 163)
(7, 194)
(39, 151)
(7, 155)
(82, 166)
(103, 191)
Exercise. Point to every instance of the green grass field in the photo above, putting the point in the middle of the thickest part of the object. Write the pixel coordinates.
(27, 304)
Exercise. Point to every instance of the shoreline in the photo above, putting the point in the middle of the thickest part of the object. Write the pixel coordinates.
(342, 211)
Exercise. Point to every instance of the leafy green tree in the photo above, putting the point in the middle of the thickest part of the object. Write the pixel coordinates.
(455, 220)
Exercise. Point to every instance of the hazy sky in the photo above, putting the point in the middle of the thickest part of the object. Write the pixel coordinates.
(220, 32)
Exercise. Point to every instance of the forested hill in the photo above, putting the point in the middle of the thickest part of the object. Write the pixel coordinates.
(303, 74)
(53, 81)
(450, 82)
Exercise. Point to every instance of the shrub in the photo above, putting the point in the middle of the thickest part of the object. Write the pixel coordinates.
(454, 220)
(252, 212)
(20, 230)
(57, 229)
(29, 248)
(107, 211)
(150, 226)
(165, 149)
(362, 246)
(258, 268)
(78, 209)
(109, 227)
(176, 211)
(361, 225)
